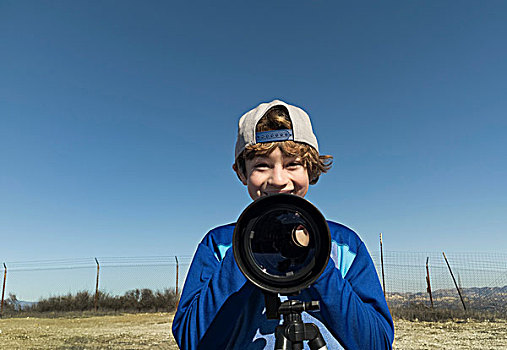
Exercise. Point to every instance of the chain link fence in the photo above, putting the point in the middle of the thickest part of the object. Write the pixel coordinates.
(466, 280)
(31, 281)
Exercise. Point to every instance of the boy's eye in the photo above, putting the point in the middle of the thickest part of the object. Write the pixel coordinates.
(294, 164)
(261, 165)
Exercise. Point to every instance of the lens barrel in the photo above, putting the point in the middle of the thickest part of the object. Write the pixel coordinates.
(281, 243)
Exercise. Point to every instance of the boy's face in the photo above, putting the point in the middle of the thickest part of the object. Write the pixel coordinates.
(275, 173)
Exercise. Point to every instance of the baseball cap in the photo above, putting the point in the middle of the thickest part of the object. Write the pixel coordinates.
(301, 127)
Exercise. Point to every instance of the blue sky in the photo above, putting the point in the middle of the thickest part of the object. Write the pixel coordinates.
(118, 119)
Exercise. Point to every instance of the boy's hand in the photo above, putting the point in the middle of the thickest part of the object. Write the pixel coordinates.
(301, 237)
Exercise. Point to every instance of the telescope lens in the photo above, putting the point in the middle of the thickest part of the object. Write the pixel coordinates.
(281, 244)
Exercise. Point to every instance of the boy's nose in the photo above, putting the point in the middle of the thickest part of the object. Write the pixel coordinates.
(279, 177)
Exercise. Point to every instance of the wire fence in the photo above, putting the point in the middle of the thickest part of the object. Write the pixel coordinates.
(31, 281)
(473, 280)
(467, 281)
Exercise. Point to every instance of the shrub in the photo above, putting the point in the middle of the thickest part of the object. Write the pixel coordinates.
(133, 300)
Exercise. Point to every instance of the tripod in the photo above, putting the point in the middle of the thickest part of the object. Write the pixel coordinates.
(291, 334)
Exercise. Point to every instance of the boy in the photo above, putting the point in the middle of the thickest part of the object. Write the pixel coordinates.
(277, 152)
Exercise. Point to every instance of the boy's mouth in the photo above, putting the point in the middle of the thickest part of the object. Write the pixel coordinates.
(277, 192)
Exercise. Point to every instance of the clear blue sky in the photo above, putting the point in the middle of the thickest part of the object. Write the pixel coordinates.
(118, 119)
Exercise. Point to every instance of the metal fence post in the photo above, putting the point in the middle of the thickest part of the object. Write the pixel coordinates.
(97, 286)
(428, 288)
(457, 288)
(3, 291)
(382, 264)
(177, 271)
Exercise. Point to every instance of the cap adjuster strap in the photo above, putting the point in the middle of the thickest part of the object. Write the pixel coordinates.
(274, 135)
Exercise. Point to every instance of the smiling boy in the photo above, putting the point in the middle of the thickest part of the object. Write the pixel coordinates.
(277, 152)
(275, 173)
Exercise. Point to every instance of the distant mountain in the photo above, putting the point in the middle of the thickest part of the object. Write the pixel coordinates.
(485, 298)
(21, 305)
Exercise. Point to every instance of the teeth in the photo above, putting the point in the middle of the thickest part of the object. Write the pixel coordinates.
(280, 192)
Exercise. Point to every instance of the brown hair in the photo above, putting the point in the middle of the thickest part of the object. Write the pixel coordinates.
(277, 118)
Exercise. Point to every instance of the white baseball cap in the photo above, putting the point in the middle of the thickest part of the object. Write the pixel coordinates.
(301, 127)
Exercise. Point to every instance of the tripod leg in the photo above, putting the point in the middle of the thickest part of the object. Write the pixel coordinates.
(317, 344)
(315, 339)
(281, 341)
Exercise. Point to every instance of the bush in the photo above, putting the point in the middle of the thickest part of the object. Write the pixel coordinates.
(138, 300)
(421, 312)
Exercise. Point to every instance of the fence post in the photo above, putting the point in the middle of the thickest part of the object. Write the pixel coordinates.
(457, 288)
(96, 286)
(177, 271)
(3, 291)
(428, 288)
(382, 264)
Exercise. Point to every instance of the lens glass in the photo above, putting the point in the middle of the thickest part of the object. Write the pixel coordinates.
(282, 243)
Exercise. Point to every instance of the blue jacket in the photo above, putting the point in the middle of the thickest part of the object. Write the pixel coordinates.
(220, 309)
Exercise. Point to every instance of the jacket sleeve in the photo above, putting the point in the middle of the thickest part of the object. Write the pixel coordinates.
(354, 308)
(213, 290)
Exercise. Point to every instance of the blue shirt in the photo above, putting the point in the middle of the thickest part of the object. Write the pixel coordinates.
(220, 309)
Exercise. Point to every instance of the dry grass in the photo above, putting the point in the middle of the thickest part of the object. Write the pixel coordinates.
(459, 335)
(153, 331)
(126, 331)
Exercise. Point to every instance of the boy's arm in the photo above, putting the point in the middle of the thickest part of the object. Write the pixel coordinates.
(354, 308)
(213, 293)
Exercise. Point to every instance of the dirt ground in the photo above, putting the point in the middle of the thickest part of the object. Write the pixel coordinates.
(153, 331)
(450, 335)
(127, 331)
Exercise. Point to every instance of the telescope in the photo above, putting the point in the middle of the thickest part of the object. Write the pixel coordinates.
(281, 243)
